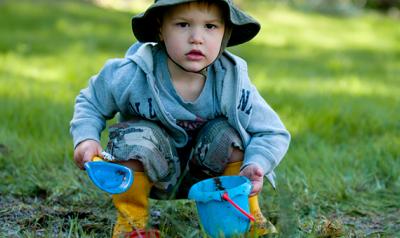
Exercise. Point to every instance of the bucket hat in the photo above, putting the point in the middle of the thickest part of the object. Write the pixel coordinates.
(145, 26)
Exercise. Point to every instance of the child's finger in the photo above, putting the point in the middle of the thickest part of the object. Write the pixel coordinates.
(258, 172)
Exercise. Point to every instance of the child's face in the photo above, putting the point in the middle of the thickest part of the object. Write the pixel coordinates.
(192, 34)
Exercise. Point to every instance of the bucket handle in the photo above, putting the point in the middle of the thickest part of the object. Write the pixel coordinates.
(226, 197)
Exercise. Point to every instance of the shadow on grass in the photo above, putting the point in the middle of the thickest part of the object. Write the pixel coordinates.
(42, 193)
(36, 217)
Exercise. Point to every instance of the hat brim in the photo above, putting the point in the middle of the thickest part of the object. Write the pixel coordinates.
(145, 26)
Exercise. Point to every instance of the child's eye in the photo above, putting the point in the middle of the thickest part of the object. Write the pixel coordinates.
(182, 24)
(211, 26)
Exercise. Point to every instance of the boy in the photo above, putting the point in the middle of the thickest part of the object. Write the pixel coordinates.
(187, 109)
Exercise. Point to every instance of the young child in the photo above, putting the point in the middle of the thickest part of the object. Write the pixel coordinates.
(186, 106)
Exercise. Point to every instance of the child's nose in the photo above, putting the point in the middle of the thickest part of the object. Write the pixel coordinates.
(196, 36)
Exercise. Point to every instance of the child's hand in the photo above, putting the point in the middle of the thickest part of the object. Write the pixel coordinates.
(256, 176)
(85, 152)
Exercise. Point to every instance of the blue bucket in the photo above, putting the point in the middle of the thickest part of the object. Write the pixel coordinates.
(218, 216)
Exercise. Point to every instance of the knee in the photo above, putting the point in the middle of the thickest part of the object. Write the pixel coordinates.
(217, 145)
(138, 144)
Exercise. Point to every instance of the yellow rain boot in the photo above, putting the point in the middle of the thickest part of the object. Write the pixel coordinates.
(261, 226)
(132, 207)
(232, 168)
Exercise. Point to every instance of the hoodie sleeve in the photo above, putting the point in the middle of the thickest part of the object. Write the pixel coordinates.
(265, 138)
(93, 106)
(269, 139)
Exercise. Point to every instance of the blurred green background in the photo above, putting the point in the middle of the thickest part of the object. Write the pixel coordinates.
(331, 69)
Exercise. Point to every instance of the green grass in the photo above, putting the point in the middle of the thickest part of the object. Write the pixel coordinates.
(335, 82)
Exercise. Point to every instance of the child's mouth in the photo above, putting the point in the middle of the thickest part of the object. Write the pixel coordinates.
(195, 55)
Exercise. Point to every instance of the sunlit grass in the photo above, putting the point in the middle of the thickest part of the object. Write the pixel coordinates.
(323, 31)
(350, 85)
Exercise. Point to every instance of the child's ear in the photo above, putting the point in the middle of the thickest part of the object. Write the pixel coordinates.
(160, 36)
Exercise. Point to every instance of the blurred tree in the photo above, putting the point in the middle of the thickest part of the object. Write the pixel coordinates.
(342, 6)
(383, 4)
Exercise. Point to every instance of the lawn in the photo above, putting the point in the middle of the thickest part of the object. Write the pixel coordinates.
(334, 80)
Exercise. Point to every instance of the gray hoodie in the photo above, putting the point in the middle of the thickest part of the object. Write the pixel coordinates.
(122, 82)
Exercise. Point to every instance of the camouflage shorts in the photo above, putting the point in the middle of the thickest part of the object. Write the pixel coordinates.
(170, 168)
